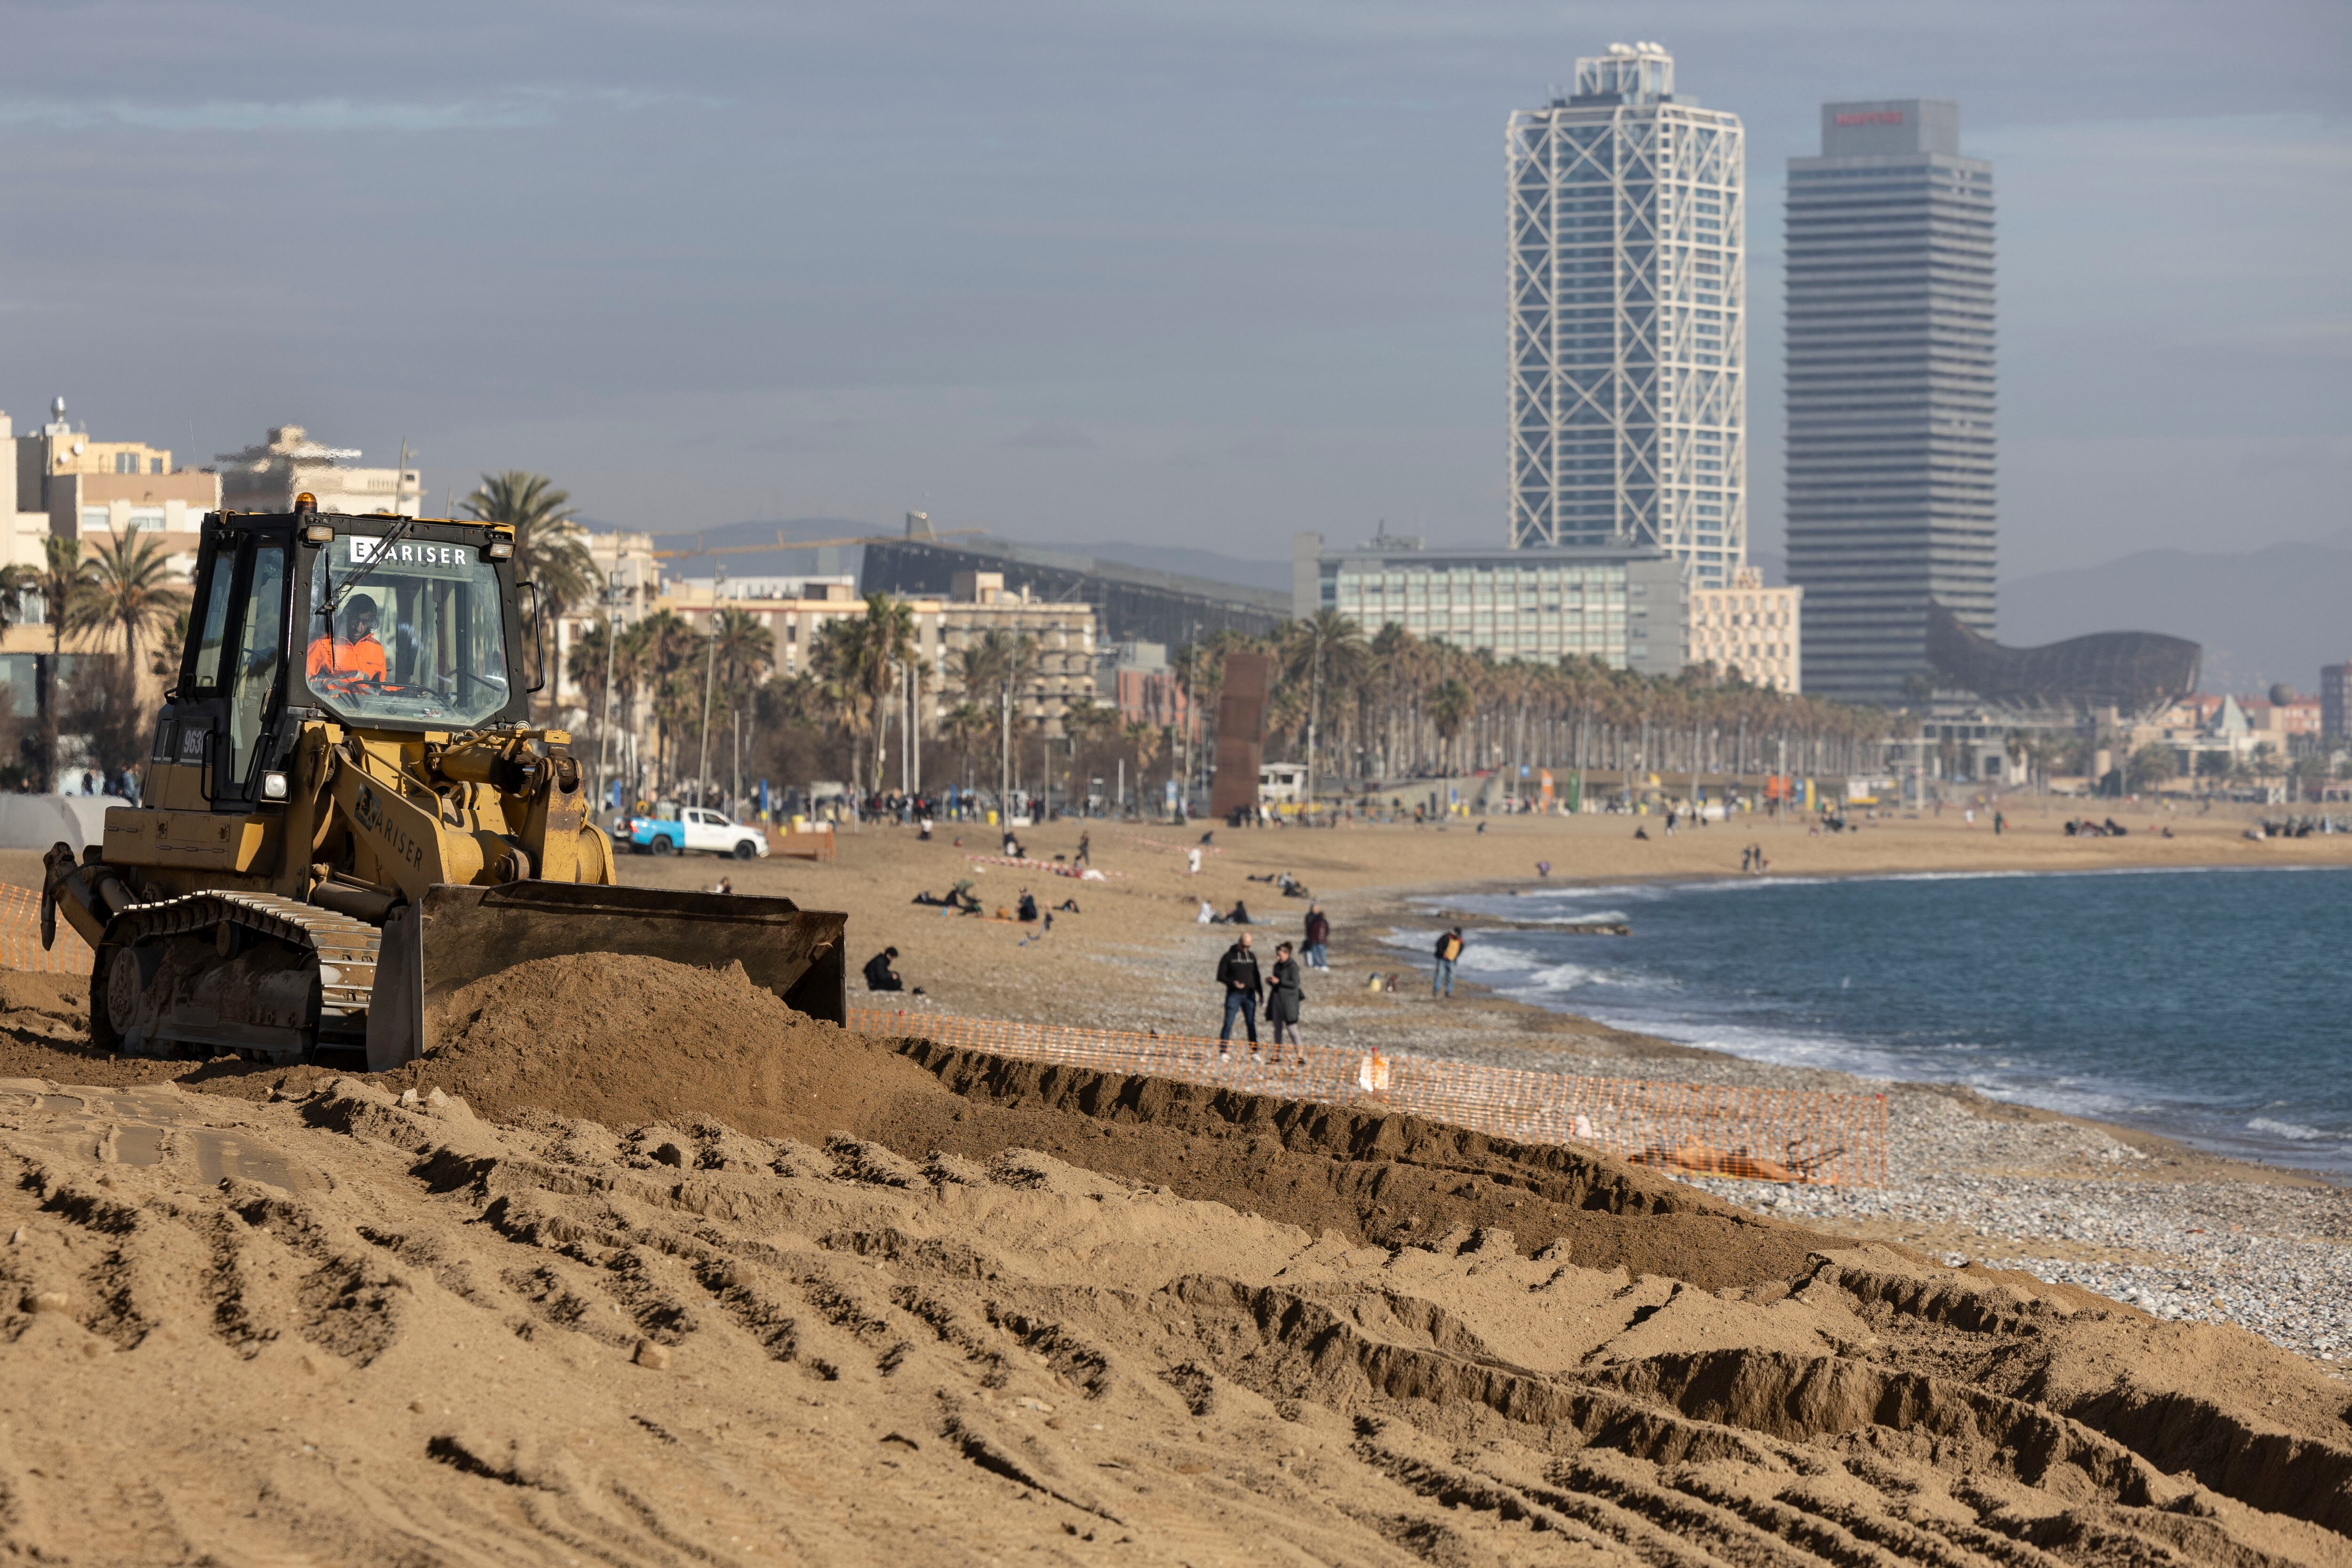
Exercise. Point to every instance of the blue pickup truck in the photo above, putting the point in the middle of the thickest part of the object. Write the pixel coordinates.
(673, 829)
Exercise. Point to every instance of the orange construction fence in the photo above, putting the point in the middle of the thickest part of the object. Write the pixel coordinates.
(20, 938)
(1764, 1134)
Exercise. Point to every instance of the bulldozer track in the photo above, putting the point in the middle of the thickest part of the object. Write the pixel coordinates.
(345, 948)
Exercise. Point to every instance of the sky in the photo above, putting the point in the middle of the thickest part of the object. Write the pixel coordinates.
(1203, 273)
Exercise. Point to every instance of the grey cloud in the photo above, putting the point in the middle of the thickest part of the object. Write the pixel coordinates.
(1047, 435)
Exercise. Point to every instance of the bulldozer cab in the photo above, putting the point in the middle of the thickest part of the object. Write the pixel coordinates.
(374, 622)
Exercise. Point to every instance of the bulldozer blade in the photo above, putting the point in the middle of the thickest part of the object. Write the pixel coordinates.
(456, 934)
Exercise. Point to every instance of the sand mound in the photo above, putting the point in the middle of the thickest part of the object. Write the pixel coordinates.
(428, 1338)
(626, 1040)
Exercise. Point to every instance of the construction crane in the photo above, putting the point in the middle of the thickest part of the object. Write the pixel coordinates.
(781, 543)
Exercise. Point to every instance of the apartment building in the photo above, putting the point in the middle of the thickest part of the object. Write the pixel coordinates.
(1749, 630)
(68, 484)
(1061, 634)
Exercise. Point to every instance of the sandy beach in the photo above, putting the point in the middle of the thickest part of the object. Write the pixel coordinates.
(808, 1297)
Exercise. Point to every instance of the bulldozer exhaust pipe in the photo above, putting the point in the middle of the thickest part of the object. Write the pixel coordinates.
(455, 935)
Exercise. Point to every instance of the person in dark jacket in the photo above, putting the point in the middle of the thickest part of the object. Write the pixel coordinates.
(1318, 932)
(1283, 998)
(879, 976)
(1238, 977)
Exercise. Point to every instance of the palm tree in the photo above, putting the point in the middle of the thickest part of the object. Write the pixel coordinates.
(65, 580)
(1325, 645)
(837, 660)
(549, 548)
(132, 587)
(887, 636)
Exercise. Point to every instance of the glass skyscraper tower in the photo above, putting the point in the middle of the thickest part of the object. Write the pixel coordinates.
(1628, 336)
(1890, 298)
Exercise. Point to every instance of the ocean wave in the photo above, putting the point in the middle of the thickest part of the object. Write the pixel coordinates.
(2295, 1131)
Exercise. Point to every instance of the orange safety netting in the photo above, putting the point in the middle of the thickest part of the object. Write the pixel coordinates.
(20, 938)
(1763, 1134)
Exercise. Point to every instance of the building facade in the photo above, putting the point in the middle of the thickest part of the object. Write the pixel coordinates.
(1628, 319)
(1621, 607)
(267, 477)
(2336, 702)
(64, 483)
(1130, 603)
(1890, 394)
(1750, 630)
(1061, 635)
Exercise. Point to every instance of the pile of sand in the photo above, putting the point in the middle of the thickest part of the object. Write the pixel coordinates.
(626, 1041)
(715, 1282)
(428, 1338)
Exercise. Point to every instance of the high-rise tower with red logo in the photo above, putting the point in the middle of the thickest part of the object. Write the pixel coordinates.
(1890, 394)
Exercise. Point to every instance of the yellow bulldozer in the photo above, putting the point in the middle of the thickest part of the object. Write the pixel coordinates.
(349, 815)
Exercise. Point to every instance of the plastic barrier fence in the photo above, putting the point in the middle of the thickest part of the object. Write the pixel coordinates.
(1784, 1135)
(1763, 1134)
(20, 938)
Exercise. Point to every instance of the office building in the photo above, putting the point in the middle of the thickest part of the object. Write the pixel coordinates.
(267, 477)
(1628, 335)
(1623, 606)
(1890, 405)
(1130, 603)
(1749, 631)
(2336, 702)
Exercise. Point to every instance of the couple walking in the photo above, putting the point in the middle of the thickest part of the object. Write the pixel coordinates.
(1239, 978)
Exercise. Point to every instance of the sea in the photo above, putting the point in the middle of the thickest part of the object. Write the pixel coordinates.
(2214, 1007)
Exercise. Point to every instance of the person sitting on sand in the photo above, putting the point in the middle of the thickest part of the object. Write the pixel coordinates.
(1641, 834)
(1028, 905)
(1208, 917)
(1240, 916)
(879, 976)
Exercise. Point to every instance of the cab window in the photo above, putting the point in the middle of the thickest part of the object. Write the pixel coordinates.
(411, 631)
(216, 627)
(259, 646)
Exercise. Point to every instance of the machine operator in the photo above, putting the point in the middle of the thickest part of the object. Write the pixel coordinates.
(352, 655)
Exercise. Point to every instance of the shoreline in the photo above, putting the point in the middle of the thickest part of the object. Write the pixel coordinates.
(1396, 905)
(2268, 1247)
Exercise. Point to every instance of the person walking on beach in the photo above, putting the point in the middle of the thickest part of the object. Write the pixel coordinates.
(1238, 977)
(1318, 932)
(1283, 999)
(1086, 847)
(1449, 948)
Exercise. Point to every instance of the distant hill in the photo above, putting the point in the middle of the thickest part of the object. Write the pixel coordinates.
(2263, 616)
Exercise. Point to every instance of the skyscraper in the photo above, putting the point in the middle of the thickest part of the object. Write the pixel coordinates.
(1628, 339)
(1890, 393)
